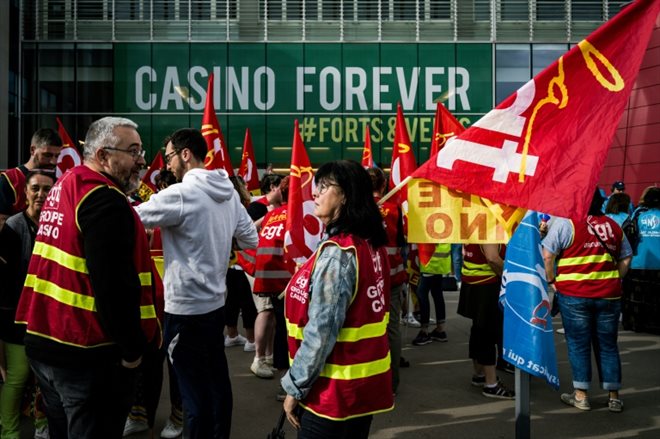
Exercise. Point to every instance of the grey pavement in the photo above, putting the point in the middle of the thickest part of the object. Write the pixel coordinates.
(436, 399)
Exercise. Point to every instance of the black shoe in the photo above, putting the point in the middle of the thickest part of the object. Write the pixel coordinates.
(505, 366)
(478, 381)
(440, 336)
(422, 339)
(499, 392)
(403, 362)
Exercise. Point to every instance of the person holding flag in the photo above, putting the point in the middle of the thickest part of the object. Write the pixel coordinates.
(592, 255)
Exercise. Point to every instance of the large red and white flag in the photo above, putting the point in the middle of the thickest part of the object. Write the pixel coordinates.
(217, 155)
(445, 126)
(248, 169)
(303, 229)
(367, 153)
(544, 147)
(148, 185)
(69, 155)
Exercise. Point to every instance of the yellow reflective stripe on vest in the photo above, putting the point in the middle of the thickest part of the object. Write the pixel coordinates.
(60, 294)
(580, 260)
(147, 312)
(145, 278)
(356, 371)
(60, 257)
(471, 269)
(596, 275)
(369, 330)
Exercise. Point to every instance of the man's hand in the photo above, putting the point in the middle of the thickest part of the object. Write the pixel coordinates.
(290, 404)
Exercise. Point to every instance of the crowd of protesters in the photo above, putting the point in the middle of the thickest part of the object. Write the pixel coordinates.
(136, 284)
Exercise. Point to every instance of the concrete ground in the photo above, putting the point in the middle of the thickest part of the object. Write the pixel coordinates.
(436, 399)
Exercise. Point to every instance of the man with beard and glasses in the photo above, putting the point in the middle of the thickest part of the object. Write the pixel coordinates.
(87, 300)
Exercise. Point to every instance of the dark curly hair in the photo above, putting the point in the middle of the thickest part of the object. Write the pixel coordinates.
(359, 215)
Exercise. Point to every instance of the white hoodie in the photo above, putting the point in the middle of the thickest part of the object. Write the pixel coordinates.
(198, 218)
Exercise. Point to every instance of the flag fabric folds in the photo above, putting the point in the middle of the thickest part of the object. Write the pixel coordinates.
(403, 158)
(248, 169)
(544, 147)
(148, 185)
(367, 153)
(528, 336)
(445, 126)
(217, 156)
(69, 155)
(303, 229)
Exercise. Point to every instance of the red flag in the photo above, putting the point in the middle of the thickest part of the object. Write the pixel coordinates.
(248, 168)
(403, 158)
(69, 155)
(544, 147)
(367, 156)
(217, 155)
(445, 126)
(303, 229)
(148, 185)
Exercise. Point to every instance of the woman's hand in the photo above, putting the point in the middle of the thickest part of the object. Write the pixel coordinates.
(290, 404)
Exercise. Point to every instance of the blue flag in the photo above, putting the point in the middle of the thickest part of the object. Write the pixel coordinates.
(528, 336)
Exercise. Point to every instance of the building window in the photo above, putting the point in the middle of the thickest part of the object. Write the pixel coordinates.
(550, 10)
(91, 9)
(587, 10)
(512, 69)
(514, 10)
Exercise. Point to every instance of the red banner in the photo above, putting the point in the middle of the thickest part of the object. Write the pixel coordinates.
(217, 155)
(303, 229)
(543, 148)
(69, 155)
(367, 155)
(148, 185)
(248, 169)
(445, 126)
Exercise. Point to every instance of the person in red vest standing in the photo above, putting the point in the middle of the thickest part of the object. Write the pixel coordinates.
(336, 308)
(88, 299)
(45, 147)
(592, 256)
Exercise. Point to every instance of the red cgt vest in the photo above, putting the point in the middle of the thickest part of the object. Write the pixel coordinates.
(585, 268)
(390, 213)
(273, 270)
(356, 379)
(16, 179)
(58, 282)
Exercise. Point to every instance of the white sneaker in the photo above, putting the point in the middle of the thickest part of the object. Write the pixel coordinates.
(411, 321)
(239, 340)
(41, 432)
(134, 426)
(249, 347)
(261, 369)
(171, 430)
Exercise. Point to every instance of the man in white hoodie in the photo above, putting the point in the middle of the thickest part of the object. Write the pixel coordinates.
(198, 218)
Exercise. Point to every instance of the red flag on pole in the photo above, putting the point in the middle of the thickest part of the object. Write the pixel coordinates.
(403, 158)
(543, 148)
(367, 155)
(445, 126)
(148, 185)
(303, 229)
(217, 155)
(69, 155)
(248, 169)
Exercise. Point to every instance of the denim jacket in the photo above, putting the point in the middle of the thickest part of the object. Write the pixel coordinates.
(332, 285)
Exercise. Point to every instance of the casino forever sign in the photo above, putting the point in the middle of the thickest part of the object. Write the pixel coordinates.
(336, 90)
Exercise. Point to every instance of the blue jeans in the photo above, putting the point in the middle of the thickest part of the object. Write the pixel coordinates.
(433, 284)
(457, 260)
(85, 402)
(196, 348)
(592, 323)
(316, 427)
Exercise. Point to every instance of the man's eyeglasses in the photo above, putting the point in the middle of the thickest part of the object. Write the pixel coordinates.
(169, 156)
(136, 154)
(323, 187)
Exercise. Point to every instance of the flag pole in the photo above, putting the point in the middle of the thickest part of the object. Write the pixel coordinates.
(396, 189)
(523, 423)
